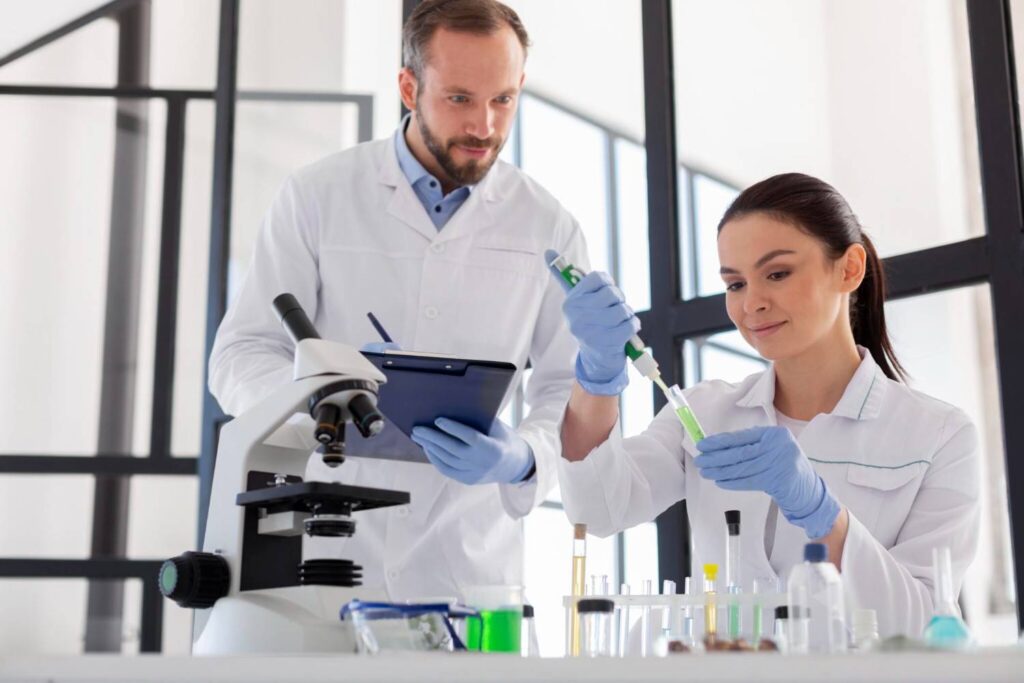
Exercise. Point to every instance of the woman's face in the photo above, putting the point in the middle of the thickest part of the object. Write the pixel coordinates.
(783, 292)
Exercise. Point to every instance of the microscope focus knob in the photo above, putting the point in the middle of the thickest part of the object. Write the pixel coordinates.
(195, 579)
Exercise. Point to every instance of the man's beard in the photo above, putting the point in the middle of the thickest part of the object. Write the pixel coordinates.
(472, 171)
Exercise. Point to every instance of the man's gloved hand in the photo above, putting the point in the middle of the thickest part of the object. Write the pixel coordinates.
(472, 457)
(769, 459)
(598, 316)
(380, 347)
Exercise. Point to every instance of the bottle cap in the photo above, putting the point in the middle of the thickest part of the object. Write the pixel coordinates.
(815, 552)
(782, 612)
(590, 605)
(732, 522)
(527, 611)
(711, 571)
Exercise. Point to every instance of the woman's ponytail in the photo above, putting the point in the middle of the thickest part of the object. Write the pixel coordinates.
(867, 314)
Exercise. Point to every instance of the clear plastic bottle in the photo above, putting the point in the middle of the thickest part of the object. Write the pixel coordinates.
(946, 630)
(815, 585)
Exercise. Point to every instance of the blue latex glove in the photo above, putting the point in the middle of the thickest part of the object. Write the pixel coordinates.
(472, 457)
(769, 459)
(598, 316)
(380, 347)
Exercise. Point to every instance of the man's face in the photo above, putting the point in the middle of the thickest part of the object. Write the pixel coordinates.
(466, 100)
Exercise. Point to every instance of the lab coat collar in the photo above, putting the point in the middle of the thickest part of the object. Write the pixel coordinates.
(406, 206)
(862, 399)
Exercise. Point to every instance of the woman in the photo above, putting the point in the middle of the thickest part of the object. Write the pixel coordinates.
(829, 436)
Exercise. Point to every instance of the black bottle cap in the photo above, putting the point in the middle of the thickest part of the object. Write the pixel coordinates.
(782, 612)
(595, 605)
(732, 522)
(527, 611)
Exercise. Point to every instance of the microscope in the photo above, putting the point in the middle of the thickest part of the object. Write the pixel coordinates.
(251, 589)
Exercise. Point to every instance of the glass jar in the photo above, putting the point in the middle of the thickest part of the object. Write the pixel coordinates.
(595, 616)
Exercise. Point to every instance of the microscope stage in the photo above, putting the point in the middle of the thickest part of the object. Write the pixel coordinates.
(326, 497)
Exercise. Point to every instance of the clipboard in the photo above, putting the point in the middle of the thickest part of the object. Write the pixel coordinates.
(422, 387)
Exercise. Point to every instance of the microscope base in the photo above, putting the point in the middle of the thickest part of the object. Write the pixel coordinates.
(292, 620)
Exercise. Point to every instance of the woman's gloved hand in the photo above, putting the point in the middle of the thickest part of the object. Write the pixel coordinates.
(598, 316)
(769, 459)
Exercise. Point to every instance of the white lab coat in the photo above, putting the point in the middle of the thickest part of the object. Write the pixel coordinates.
(348, 235)
(904, 464)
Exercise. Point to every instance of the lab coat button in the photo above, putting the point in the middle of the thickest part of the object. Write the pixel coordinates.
(437, 248)
(392, 574)
(402, 511)
(430, 312)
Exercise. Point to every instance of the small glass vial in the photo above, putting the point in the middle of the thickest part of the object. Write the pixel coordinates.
(781, 628)
(528, 635)
(595, 626)
(865, 630)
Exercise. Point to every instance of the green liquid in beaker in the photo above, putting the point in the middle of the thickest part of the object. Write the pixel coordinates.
(500, 631)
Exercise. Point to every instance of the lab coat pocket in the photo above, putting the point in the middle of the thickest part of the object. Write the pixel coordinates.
(880, 496)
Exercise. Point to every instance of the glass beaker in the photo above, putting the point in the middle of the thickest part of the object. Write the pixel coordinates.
(499, 628)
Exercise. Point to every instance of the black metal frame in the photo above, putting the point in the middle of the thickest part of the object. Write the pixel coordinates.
(996, 259)
(159, 461)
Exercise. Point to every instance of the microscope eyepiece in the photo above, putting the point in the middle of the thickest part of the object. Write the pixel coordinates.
(294, 319)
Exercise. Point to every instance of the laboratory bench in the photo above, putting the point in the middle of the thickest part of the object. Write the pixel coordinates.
(1003, 664)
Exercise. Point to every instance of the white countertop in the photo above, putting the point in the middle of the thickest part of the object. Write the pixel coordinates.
(978, 667)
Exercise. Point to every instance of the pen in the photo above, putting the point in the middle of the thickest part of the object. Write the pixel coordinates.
(380, 328)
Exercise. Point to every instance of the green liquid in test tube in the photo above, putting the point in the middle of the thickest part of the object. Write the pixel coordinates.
(675, 396)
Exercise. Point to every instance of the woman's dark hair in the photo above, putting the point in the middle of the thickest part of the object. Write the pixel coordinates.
(816, 208)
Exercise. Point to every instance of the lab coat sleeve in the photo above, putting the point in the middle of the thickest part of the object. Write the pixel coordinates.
(625, 482)
(552, 357)
(897, 582)
(252, 354)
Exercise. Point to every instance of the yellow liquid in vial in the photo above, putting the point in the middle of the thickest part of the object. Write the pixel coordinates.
(710, 614)
(579, 569)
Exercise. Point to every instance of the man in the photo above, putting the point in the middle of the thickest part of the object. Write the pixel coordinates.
(444, 243)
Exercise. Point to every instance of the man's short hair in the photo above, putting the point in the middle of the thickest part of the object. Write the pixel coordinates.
(480, 17)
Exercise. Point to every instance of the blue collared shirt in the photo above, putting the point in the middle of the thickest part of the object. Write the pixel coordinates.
(428, 188)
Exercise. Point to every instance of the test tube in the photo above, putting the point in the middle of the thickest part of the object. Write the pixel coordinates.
(688, 637)
(592, 590)
(645, 621)
(710, 602)
(734, 585)
(579, 568)
(684, 412)
(623, 617)
(671, 620)
(762, 585)
(605, 587)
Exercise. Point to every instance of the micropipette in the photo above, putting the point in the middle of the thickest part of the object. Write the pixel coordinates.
(642, 360)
